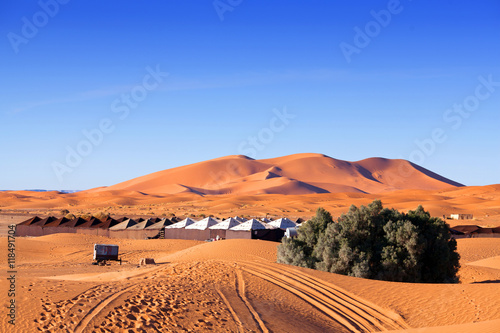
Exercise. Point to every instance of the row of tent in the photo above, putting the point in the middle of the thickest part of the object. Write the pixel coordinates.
(173, 228)
(115, 228)
(188, 228)
(233, 227)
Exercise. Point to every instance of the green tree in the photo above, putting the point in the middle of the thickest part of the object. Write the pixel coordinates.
(377, 243)
(298, 251)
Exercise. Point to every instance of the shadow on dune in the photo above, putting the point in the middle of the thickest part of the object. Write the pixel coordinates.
(487, 281)
(367, 174)
(435, 175)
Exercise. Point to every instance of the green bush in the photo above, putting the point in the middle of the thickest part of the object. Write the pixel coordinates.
(101, 215)
(86, 216)
(376, 243)
(299, 251)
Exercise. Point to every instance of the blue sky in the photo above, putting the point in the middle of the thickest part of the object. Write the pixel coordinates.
(159, 84)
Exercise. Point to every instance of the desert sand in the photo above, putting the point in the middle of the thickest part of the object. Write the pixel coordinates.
(481, 201)
(235, 286)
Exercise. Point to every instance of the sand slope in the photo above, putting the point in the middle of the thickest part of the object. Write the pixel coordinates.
(230, 286)
(294, 174)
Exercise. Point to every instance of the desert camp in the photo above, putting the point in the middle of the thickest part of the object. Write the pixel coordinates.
(234, 166)
(189, 229)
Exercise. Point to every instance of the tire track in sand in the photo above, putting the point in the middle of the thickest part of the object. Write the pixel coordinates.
(390, 319)
(93, 293)
(231, 309)
(351, 311)
(240, 290)
(96, 310)
(80, 327)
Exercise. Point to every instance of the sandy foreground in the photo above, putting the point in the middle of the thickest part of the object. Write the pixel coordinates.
(233, 286)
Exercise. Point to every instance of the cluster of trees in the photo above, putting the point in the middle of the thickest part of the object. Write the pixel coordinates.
(376, 243)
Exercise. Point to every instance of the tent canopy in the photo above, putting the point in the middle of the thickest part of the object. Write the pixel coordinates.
(203, 224)
(226, 224)
(141, 225)
(182, 224)
(283, 223)
(30, 221)
(161, 224)
(124, 225)
(252, 224)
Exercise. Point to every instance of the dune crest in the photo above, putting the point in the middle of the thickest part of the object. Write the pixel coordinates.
(292, 174)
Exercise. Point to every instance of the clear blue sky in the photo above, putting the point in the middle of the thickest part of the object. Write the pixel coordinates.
(357, 87)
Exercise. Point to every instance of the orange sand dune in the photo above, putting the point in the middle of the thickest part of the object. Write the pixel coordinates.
(292, 186)
(493, 262)
(236, 285)
(475, 249)
(481, 201)
(294, 174)
(229, 286)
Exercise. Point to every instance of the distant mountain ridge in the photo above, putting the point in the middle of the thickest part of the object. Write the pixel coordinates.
(292, 174)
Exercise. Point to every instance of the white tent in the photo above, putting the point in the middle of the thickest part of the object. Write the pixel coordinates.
(252, 224)
(203, 224)
(265, 219)
(283, 223)
(226, 224)
(182, 224)
(241, 219)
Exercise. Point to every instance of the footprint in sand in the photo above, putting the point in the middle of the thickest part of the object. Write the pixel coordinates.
(131, 316)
